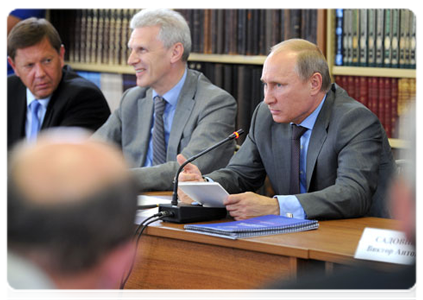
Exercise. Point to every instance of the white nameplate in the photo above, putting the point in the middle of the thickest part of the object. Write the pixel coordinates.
(385, 245)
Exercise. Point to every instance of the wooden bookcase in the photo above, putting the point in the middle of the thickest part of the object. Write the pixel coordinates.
(361, 71)
(325, 40)
(211, 58)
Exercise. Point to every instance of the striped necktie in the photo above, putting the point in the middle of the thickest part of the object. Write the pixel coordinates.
(159, 143)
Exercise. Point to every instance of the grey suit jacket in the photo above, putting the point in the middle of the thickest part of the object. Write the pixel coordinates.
(349, 160)
(205, 114)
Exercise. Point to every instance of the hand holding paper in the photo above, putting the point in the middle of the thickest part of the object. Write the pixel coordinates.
(190, 173)
(247, 205)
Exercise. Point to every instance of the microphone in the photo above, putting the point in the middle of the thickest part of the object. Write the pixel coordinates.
(186, 213)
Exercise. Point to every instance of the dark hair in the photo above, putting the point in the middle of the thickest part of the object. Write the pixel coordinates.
(30, 32)
(76, 234)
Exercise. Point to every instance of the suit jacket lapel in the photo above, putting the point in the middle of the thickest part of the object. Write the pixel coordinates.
(183, 110)
(319, 135)
(19, 111)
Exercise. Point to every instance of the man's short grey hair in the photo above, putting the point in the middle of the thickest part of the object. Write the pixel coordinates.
(310, 60)
(173, 27)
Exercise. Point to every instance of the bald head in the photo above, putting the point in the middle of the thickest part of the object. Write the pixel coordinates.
(52, 170)
(71, 201)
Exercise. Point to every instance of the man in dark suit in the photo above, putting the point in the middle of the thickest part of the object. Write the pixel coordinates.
(365, 283)
(44, 92)
(345, 160)
(197, 114)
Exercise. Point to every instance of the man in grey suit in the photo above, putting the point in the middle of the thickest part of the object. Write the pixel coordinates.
(197, 114)
(345, 159)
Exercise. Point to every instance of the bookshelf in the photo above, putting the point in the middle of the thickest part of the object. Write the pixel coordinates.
(325, 39)
(361, 71)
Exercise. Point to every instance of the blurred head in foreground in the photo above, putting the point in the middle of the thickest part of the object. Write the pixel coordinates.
(71, 209)
(403, 188)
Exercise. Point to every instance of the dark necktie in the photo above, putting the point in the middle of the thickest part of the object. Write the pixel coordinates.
(297, 132)
(35, 122)
(159, 143)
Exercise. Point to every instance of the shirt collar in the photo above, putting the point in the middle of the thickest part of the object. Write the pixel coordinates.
(311, 119)
(172, 95)
(30, 98)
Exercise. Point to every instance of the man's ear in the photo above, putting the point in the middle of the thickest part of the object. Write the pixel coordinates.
(177, 52)
(12, 64)
(316, 83)
(62, 55)
(115, 265)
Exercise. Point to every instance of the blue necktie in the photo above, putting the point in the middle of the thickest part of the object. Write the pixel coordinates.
(159, 143)
(35, 122)
(297, 132)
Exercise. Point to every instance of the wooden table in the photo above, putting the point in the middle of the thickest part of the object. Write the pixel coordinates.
(170, 258)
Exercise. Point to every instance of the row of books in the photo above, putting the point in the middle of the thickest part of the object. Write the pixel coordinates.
(247, 31)
(386, 97)
(375, 38)
(98, 36)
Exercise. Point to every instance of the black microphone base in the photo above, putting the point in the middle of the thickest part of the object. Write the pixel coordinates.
(186, 213)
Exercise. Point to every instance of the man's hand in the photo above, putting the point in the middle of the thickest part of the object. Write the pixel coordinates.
(190, 173)
(249, 205)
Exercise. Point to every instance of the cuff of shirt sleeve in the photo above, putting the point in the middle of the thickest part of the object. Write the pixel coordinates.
(290, 206)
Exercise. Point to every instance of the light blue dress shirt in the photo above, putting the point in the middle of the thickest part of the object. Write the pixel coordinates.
(41, 111)
(289, 204)
(171, 98)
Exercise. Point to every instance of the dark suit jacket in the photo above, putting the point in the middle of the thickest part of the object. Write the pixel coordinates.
(204, 115)
(349, 160)
(75, 102)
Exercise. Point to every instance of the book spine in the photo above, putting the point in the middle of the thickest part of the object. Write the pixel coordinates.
(253, 33)
(295, 23)
(207, 32)
(395, 38)
(371, 41)
(100, 33)
(347, 37)
(117, 59)
(394, 108)
(268, 41)
(412, 63)
(262, 30)
(339, 37)
(355, 37)
(403, 95)
(387, 57)
(286, 20)
(387, 106)
(351, 87)
(363, 38)
(373, 95)
(276, 27)
(379, 37)
(220, 41)
(312, 28)
(403, 37)
(364, 95)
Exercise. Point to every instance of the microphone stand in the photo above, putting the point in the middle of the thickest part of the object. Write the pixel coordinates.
(186, 213)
